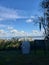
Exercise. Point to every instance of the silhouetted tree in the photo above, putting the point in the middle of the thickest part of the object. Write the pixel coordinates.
(45, 19)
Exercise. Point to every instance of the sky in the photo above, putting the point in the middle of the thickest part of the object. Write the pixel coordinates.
(17, 18)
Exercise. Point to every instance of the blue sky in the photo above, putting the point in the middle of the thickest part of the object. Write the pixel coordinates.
(17, 17)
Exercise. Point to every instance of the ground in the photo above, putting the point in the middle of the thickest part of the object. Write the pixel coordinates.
(14, 57)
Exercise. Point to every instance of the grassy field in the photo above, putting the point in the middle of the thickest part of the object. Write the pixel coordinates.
(14, 57)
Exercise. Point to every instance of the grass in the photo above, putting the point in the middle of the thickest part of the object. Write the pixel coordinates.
(14, 57)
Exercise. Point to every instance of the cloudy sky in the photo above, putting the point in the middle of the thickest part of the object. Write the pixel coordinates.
(17, 18)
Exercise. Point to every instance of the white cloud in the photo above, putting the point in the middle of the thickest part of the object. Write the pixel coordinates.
(29, 20)
(13, 14)
(9, 27)
(37, 33)
(11, 32)
(15, 32)
(3, 33)
(32, 17)
(7, 13)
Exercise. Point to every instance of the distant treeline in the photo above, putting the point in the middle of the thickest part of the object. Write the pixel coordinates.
(14, 44)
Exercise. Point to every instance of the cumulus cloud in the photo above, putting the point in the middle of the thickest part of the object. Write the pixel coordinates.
(11, 32)
(3, 33)
(15, 32)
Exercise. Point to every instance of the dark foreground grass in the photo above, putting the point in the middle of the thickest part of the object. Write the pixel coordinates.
(17, 58)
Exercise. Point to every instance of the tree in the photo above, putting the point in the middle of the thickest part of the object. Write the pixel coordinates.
(45, 19)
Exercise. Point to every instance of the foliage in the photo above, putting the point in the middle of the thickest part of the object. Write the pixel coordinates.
(45, 6)
(5, 44)
(44, 19)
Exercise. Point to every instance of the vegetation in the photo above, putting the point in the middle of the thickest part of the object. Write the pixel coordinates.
(15, 57)
(9, 44)
(44, 20)
(16, 45)
(39, 51)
